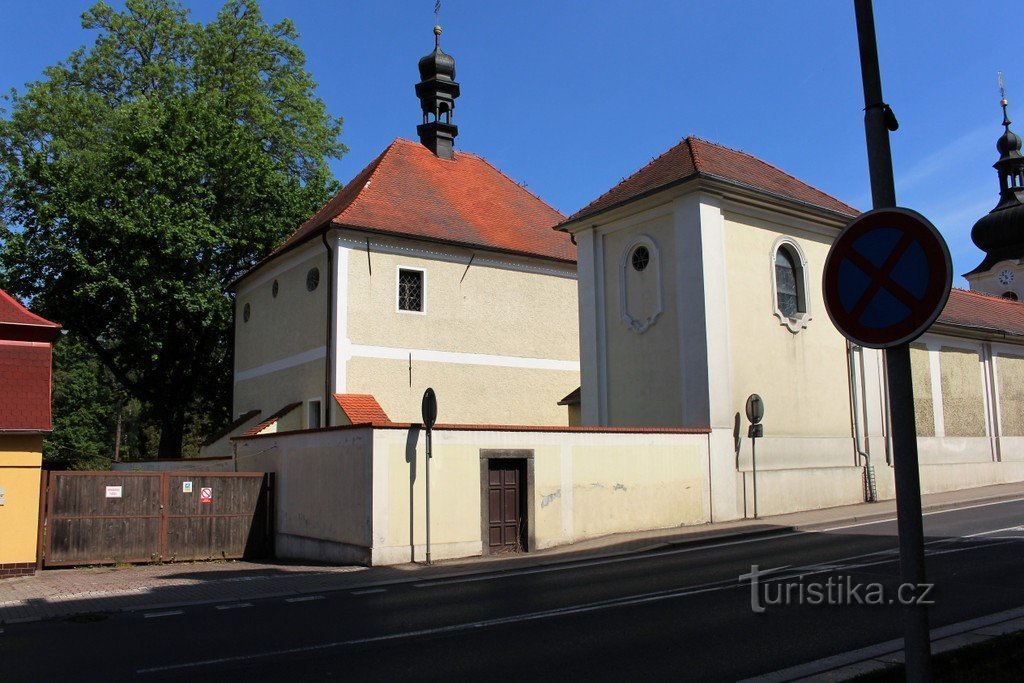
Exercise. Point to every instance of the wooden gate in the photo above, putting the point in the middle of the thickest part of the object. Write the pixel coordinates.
(113, 517)
(504, 505)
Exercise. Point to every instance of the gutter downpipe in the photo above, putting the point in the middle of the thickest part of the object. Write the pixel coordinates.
(330, 330)
(869, 470)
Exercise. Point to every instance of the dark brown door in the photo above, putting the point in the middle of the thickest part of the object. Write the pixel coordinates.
(504, 503)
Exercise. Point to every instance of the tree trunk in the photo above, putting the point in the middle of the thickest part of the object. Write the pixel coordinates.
(172, 432)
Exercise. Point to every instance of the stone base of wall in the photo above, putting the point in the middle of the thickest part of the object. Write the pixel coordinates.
(12, 569)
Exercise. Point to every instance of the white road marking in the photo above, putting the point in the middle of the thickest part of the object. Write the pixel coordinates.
(925, 514)
(367, 591)
(234, 605)
(168, 613)
(305, 598)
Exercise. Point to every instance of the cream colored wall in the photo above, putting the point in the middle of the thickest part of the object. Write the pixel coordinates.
(924, 406)
(1010, 370)
(20, 462)
(466, 394)
(280, 328)
(802, 377)
(481, 309)
(273, 391)
(989, 282)
(643, 371)
(585, 484)
(963, 404)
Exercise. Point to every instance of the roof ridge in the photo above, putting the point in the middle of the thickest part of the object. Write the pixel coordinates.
(773, 167)
(630, 176)
(697, 162)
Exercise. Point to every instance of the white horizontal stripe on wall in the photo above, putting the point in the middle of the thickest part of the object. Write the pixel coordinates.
(364, 351)
(282, 364)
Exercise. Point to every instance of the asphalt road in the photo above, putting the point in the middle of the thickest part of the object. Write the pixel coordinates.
(674, 613)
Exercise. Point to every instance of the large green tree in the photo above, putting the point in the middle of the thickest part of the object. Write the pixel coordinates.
(142, 174)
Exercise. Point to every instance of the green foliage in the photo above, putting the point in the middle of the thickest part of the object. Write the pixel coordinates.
(143, 174)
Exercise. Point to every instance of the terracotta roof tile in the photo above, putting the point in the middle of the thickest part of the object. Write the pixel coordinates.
(694, 157)
(25, 386)
(362, 409)
(409, 191)
(983, 312)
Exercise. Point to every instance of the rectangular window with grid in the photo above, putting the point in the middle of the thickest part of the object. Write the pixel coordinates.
(410, 290)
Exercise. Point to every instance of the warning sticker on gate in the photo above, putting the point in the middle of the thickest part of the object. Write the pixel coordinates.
(206, 495)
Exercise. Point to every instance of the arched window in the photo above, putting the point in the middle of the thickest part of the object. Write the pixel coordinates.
(789, 279)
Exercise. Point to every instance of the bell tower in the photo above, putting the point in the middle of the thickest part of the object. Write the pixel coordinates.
(1000, 233)
(437, 91)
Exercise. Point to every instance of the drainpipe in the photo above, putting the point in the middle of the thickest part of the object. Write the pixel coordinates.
(328, 360)
(869, 470)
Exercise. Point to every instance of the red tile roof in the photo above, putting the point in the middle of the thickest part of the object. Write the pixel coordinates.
(694, 157)
(362, 409)
(983, 312)
(25, 386)
(409, 191)
(19, 323)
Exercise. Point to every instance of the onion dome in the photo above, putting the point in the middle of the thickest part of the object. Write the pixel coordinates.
(437, 64)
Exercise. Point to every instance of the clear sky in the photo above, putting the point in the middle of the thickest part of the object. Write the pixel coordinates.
(570, 96)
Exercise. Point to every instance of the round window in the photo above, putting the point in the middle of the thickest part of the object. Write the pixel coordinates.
(246, 312)
(313, 279)
(274, 288)
(641, 257)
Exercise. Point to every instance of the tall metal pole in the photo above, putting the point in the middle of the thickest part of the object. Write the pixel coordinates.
(428, 493)
(916, 636)
(753, 466)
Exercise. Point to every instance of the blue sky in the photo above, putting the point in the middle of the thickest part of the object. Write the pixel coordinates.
(571, 96)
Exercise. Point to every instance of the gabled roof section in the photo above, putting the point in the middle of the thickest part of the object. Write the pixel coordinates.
(983, 312)
(410, 192)
(694, 157)
(263, 426)
(362, 409)
(17, 323)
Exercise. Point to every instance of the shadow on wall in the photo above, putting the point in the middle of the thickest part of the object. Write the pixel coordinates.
(411, 440)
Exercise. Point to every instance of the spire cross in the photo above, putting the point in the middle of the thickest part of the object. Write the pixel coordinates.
(437, 24)
(1002, 100)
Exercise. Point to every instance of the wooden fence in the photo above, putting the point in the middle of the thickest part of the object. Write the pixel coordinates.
(114, 517)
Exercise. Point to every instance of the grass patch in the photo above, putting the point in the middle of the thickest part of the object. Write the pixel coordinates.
(998, 659)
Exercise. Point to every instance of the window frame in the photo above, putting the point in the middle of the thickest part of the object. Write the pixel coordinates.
(398, 289)
(803, 316)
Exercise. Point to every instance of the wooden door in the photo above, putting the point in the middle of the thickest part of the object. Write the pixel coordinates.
(505, 505)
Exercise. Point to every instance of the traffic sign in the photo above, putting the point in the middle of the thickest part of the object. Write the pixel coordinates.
(887, 278)
(429, 408)
(206, 494)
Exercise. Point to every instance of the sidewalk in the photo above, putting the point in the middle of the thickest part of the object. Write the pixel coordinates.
(57, 593)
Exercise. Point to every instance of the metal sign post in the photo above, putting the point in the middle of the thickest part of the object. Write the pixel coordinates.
(890, 279)
(755, 412)
(429, 413)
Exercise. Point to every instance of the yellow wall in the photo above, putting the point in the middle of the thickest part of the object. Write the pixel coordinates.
(1010, 369)
(483, 309)
(293, 322)
(20, 462)
(963, 405)
(273, 391)
(643, 371)
(924, 411)
(802, 376)
(466, 394)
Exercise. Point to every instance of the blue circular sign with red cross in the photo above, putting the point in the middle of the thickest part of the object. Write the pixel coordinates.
(887, 278)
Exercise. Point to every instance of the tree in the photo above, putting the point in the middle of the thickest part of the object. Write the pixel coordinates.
(143, 174)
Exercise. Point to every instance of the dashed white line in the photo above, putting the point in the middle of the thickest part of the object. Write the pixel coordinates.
(234, 605)
(168, 613)
(367, 591)
(305, 598)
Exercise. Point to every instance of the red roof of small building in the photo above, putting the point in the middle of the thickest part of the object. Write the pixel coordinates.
(408, 191)
(694, 157)
(983, 312)
(19, 323)
(362, 409)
